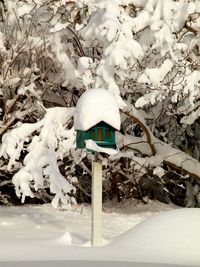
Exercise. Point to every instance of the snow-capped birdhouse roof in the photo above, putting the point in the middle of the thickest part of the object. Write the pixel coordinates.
(94, 106)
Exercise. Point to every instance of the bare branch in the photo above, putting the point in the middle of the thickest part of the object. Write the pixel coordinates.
(144, 128)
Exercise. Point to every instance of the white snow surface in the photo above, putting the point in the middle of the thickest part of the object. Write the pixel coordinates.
(94, 106)
(133, 232)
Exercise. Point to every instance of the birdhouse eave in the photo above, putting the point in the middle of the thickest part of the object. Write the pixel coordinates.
(97, 125)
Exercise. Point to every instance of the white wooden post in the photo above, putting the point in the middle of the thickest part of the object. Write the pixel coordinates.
(96, 203)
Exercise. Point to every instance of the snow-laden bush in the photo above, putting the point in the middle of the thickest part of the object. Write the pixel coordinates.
(47, 141)
(34, 67)
(145, 52)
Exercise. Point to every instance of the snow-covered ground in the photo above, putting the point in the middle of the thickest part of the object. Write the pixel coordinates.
(21, 228)
(133, 232)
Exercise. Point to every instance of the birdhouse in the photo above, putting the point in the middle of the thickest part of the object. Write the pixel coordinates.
(102, 133)
(97, 118)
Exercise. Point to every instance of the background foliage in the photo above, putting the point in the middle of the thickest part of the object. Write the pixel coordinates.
(145, 52)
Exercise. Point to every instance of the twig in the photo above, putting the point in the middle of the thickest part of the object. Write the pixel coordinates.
(76, 39)
(144, 128)
(5, 182)
(81, 188)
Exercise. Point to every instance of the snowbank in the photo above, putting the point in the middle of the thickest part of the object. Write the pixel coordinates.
(37, 233)
(168, 237)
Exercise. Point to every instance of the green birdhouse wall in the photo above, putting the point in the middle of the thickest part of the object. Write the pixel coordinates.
(102, 134)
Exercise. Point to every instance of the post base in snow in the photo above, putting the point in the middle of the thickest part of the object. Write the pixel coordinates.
(96, 239)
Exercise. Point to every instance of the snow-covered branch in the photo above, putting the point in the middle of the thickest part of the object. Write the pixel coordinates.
(144, 128)
(43, 143)
(164, 153)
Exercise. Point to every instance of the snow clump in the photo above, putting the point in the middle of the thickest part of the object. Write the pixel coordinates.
(94, 106)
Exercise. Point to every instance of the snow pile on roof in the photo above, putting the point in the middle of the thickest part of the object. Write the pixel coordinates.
(94, 106)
